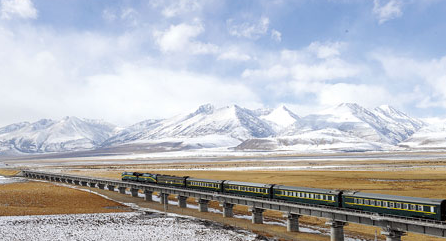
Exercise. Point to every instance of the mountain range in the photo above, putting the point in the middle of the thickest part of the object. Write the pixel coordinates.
(346, 127)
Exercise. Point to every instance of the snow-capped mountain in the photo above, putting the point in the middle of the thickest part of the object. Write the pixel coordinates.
(346, 127)
(431, 136)
(279, 118)
(68, 134)
(384, 124)
(231, 122)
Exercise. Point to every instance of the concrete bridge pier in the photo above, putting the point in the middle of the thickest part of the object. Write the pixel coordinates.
(227, 209)
(76, 182)
(122, 190)
(337, 230)
(134, 192)
(182, 201)
(85, 184)
(257, 215)
(392, 234)
(164, 198)
(111, 188)
(292, 224)
(148, 195)
(203, 205)
(101, 186)
(92, 184)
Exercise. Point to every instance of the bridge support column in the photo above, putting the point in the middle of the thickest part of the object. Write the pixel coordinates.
(111, 188)
(47, 178)
(122, 190)
(101, 186)
(164, 198)
(63, 180)
(257, 215)
(203, 205)
(182, 201)
(148, 195)
(85, 184)
(337, 230)
(76, 182)
(92, 184)
(134, 192)
(292, 224)
(69, 181)
(227, 210)
(392, 235)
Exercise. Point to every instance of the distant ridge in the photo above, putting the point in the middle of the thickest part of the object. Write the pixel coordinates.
(346, 127)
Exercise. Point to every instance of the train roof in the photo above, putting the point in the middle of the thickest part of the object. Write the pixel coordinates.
(306, 189)
(395, 198)
(250, 184)
(204, 180)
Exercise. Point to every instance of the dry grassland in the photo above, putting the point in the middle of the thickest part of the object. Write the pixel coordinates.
(8, 172)
(418, 182)
(39, 198)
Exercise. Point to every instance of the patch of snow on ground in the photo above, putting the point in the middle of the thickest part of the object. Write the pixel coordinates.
(116, 226)
(6, 180)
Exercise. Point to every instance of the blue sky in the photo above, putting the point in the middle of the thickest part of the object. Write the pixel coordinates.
(126, 61)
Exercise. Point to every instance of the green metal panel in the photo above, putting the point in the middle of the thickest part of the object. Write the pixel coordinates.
(228, 189)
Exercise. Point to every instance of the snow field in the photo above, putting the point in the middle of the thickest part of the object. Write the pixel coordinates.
(115, 226)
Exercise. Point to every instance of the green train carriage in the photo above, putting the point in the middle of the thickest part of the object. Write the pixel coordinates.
(248, 189)
(308, 195)
(396, 205)
(205, 184)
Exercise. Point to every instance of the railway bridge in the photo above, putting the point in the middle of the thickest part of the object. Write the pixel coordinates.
(392, 227)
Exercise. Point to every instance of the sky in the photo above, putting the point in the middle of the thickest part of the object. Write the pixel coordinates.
(127, 61)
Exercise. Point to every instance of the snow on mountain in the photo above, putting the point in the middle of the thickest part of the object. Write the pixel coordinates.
(431, 136)
(384, 124)
(68, 134)
(279, 118)
(346, 127)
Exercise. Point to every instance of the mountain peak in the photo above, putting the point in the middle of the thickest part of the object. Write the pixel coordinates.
(205, 109)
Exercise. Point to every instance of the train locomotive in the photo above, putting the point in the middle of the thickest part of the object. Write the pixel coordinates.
(370, 202)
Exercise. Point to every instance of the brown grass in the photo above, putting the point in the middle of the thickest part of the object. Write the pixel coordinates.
(420, 182)
(9, 172)
(38, 198)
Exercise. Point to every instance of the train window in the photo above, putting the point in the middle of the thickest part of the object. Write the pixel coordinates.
(311, 195)
(366, 202)
(413, 207)
(432, 209)
(385, 204)
(355, 200)
(405, 206)
(378, 203)
(398, 205)
(420, 207)
(372, 202)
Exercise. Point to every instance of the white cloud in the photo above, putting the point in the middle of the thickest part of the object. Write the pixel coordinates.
(429, 73)
(130, 15)
(317, 62)
(181, 38)
(177, 7)
(233, 55)
(248, 29)
(391, 10)
(102, 78)
(108, 15)
(17, 8)
(276, 35)
(333, 94)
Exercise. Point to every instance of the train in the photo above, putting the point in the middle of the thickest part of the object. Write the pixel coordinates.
(382, 204)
